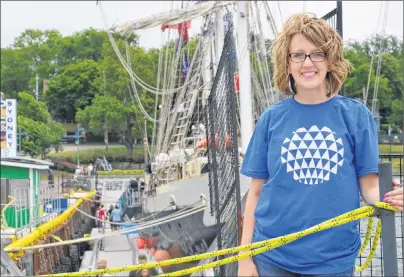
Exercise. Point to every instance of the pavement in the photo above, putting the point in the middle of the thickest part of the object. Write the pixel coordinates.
(73, 147)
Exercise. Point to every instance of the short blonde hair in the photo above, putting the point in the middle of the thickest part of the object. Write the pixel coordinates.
(323, 36)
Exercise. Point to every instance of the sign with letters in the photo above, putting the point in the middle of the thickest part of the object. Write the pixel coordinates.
(8, 124)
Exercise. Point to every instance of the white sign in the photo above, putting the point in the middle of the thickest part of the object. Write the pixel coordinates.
(8, 123)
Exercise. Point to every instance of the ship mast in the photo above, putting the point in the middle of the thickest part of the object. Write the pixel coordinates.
(246, 118)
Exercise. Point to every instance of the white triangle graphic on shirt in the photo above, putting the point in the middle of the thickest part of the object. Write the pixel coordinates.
(340, 163)
(339, 141)
(284, 150)
(321, 176)
(327, 166)
(319, 165)
(317, 155)
(300, 130)
(299, 155)
(304, 164)
(295, 177)
(334, 169)
(283, 160)
(312, 164)
(326, 129)
(296, 137)
(297, 166)
(314, 128)
(330, 137)
(286, 140)
(334, 158)
(289, 168)
(301, 175)
(327, 177)
(292, 146)
(313, 145)
(314, 174)
(290, 157)
(323, 145)
(319, 136)
(333, 147)
(307, 154)
(302, 145)
(307, 136)
(326, 156)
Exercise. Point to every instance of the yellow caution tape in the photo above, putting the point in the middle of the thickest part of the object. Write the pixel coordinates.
(262, 246)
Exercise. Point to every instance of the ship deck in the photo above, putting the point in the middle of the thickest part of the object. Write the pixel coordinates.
(118, 250)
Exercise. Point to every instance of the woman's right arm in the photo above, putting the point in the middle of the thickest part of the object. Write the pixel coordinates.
(246, 267)
(249, 220)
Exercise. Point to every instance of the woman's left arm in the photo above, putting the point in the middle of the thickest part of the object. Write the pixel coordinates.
(369, 186)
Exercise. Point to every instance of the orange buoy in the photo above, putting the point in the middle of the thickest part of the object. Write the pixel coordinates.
(151, 242)
(176, 250)
(140, 243)
(162, 255)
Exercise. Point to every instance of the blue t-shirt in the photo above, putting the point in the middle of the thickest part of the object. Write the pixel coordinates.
(116, 215)
(311, 156)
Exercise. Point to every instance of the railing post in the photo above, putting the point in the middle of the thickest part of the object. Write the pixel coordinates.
(390, 262)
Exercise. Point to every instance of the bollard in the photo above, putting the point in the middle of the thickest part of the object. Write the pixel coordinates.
(390, 262)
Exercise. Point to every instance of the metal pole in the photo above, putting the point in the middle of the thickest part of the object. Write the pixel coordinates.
(340, 31)
(78, 145)
(390, 261)
(243, 56)
(36, 89)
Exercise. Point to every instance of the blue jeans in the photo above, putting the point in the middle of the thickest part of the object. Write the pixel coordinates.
(268, 270)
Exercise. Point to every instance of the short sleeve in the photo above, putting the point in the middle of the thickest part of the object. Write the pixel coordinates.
(366, 146)
(255, 160)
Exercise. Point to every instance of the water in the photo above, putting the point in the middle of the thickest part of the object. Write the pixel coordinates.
(375, 268)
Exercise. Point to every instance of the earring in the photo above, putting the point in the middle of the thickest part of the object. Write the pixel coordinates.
(291, 90)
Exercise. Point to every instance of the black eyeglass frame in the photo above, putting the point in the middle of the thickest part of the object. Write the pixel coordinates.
(309, 55)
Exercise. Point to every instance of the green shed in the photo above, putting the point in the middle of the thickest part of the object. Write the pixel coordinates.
(20, 177)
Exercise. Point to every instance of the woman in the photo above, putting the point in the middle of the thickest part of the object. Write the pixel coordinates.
(309, 158)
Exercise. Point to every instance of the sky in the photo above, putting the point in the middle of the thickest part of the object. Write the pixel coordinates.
(359, 17)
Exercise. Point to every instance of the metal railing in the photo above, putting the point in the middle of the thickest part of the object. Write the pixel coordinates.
(388, 260)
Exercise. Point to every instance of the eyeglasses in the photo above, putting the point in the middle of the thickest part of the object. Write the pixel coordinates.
(301, 57)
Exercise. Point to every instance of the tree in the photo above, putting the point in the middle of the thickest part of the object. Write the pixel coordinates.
(34, 119)
(105, 115)
(74, 88)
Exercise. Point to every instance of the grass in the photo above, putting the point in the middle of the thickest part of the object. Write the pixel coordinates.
(92, 154)
(395, 149)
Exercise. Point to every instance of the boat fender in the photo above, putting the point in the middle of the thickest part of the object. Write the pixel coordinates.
(203, 198)
(173, 201)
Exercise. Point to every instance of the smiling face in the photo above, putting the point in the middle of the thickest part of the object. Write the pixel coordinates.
(309, 75)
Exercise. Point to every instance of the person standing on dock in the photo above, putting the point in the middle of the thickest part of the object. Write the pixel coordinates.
(310, 158)
(115, 218)
(101, 217)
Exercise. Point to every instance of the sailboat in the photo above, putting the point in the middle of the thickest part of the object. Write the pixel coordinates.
(191, 161)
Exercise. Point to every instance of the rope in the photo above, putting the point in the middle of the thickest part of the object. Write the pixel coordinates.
(121, 232)
(262, 246)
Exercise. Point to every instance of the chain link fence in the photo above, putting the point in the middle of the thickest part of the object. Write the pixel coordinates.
(224, 183)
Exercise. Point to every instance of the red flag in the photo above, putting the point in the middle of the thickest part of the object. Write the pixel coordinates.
(181, 27)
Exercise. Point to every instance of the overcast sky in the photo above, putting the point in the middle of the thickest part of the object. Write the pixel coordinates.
(359, 17)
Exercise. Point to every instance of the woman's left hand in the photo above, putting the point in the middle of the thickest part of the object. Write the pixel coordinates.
(395, 197)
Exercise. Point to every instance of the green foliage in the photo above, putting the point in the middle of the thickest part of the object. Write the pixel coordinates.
(41, 136)
(88, 84)
(42, 133)
(114, 154)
